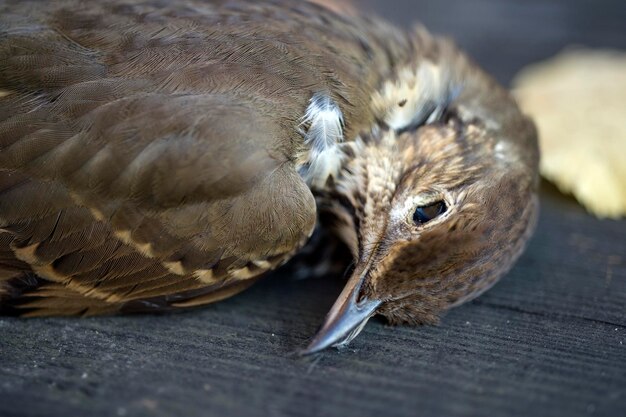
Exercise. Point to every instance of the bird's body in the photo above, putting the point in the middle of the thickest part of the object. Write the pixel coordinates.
(165, 154)
(110, 98)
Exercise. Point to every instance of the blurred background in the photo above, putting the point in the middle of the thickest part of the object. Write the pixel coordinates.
(506, 35)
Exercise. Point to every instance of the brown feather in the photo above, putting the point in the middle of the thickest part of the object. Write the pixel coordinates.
(150, 154)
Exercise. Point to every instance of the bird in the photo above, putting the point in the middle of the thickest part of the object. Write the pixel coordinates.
(163, 155)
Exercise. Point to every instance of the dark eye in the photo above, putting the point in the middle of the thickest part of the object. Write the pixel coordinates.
(402, 103)
(425, 214)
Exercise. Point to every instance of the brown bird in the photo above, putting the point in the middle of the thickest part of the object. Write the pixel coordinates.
(161, 155)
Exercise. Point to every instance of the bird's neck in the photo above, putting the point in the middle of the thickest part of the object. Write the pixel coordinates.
(337, 199)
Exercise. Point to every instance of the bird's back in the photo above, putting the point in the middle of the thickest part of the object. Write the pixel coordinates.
(147, 150)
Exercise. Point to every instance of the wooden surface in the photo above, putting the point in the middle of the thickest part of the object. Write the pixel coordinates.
(548, 340)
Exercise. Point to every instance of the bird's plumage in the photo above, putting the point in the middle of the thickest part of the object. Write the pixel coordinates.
(165, 154)
(323, 126)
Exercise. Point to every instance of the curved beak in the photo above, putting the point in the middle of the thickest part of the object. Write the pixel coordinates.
(346, 318)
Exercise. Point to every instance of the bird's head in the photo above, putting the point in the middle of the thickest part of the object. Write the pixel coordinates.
(434, 213)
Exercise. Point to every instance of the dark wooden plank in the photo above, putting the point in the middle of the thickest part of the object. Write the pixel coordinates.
(548, 340)
(574, 268)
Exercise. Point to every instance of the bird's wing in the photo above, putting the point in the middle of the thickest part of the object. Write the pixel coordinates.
(116, 188)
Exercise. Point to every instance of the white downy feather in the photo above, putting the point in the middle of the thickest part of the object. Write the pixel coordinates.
(322, 128)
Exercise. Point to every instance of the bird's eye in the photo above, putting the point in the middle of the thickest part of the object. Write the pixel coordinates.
(425, 214)
(401, 103)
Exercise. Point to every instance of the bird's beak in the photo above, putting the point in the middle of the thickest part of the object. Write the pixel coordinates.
(346, 318)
